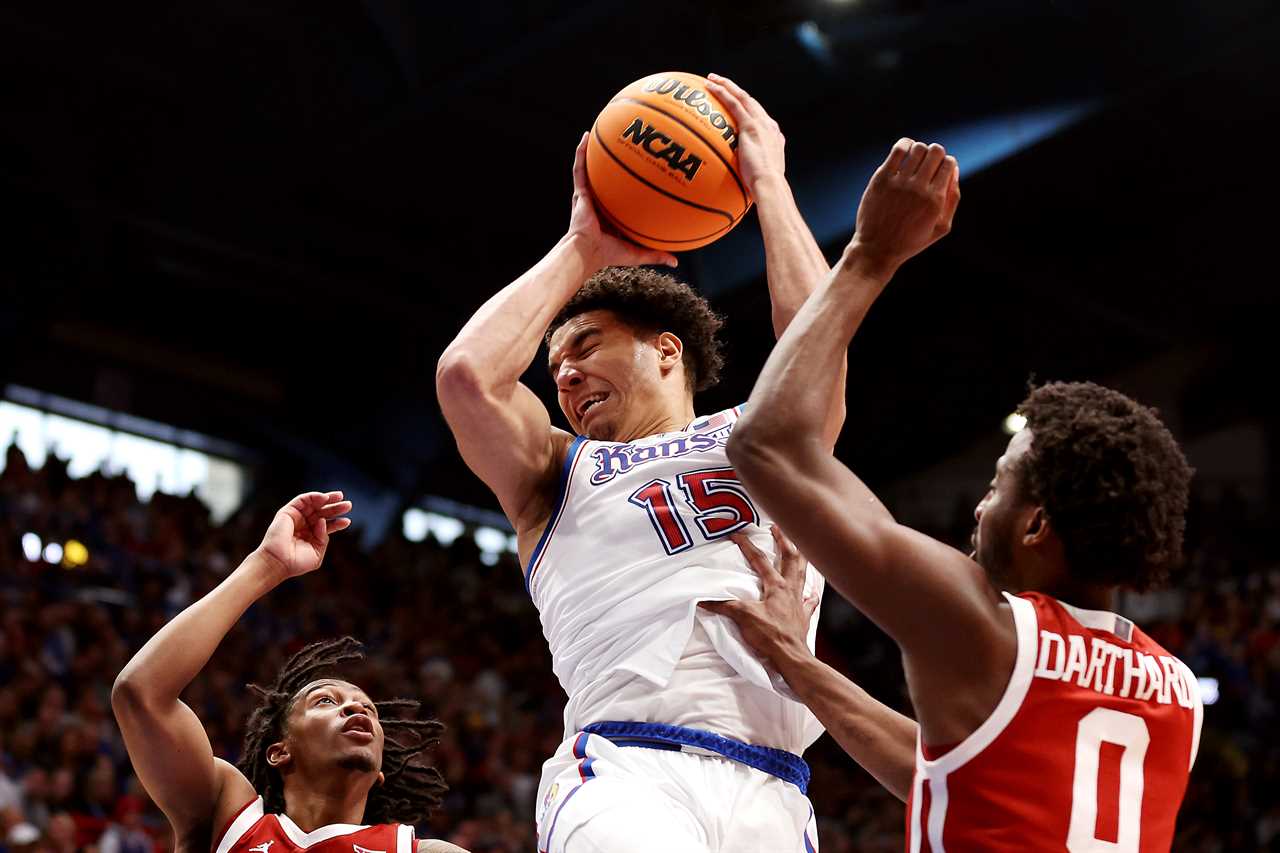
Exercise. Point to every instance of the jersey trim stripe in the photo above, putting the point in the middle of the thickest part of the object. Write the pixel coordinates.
(404, 839)
(566, 477)
(315, 836)
(1197, 712)
(248, 815)
(1025, 626)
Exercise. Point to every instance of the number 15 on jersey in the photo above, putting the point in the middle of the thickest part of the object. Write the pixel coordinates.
(720, 504)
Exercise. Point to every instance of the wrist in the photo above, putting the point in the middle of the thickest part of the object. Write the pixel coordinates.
(262, 571)
(583, 251)
(791, 657)
(770, 187)
(865, 262)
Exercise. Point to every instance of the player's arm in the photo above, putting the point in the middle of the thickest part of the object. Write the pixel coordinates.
(921, 592)
(873, 734)
(794, 263)
(502, 429)
(167, 743)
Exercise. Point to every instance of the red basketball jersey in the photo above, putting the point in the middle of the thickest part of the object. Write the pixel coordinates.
(1089, 748)
(252, 831)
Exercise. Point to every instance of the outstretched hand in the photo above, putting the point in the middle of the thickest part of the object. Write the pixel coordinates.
(761, 145)
(909, 203)
(777, 625)
(607, 249)
(296, 540)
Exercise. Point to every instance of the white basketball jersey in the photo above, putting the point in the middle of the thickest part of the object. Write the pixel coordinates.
(638, 536)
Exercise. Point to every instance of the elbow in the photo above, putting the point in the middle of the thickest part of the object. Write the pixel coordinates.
(126, 693)
(457, 377)
(755, 449)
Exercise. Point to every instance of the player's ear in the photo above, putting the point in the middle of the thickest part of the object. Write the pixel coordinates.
(1037, 529)
(670, 350)
(278, 755)
(381, 779)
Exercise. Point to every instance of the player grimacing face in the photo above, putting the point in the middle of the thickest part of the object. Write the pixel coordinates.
(1000, 514)
(332, 722)
(607, 376)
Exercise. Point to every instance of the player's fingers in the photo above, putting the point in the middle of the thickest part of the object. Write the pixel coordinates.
(914, 158)
(756, 559)
(333, 525)
(335, 509)
(732, 609)
(934, 156)
(946, 173)
(732, 104)
(898, 155)
(744, 97)
(790, 563)
(790, 560)
(580, 164)
(656, 258)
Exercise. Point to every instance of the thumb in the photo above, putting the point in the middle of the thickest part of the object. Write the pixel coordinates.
(724, 608)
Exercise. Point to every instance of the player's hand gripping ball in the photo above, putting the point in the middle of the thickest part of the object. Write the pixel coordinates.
(663, 166)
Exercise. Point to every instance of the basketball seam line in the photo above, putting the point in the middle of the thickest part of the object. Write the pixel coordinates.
(728, 166)
(613, 218)
(657, 188)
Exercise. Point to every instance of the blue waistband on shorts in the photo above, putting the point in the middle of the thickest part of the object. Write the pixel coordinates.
(776, 762)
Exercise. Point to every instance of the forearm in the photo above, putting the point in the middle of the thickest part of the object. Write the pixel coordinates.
(793, 260)
(790, 402)
(796, 268)
(500, 341)
(880, 739)
(163, 668)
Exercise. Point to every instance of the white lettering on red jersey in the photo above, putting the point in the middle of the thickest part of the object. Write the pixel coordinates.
(1088, 750)
(254, 831)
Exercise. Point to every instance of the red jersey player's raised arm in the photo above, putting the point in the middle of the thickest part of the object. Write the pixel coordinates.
(921, 592)
(167, 743)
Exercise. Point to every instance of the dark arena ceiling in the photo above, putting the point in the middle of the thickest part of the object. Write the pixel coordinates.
(264, 221)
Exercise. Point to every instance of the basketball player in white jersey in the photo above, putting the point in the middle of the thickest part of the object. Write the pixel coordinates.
(323, 771)
(677, 738)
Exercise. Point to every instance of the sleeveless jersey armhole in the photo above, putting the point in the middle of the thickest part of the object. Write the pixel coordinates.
(557, 509)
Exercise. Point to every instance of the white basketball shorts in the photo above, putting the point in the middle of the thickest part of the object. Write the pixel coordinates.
(648, 787)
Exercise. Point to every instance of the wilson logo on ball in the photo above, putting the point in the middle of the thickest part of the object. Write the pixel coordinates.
(649, 138)
(696, 98)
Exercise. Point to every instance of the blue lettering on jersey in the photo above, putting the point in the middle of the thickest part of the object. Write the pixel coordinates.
(615, 459)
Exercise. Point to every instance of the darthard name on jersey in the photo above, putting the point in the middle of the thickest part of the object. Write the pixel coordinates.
(1113, 670)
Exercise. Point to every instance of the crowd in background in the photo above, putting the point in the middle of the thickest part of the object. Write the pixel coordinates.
(442, 627)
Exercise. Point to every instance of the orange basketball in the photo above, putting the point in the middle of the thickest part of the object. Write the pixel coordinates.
(662, 162)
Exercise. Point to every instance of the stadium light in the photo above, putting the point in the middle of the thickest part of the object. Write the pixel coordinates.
(53, 553)
(1208, 690)
(31, 547)
(74, 554)
(1014, 423)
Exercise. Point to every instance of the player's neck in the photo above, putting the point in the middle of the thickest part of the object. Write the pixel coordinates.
(313, 807)
(1082, 595)
(670, 419)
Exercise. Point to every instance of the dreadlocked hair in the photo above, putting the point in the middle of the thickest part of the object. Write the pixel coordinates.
(1112, 479)
(410, 790)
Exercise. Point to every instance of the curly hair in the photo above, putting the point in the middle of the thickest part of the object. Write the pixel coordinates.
(410, 789)
(652, 301)
(1112, 480)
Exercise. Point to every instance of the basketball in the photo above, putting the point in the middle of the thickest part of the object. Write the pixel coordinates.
(663, 166)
